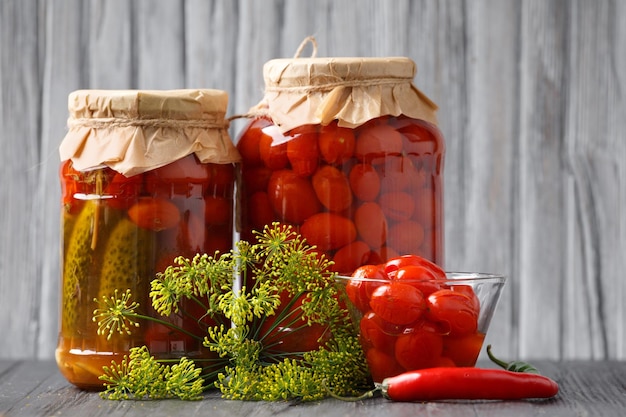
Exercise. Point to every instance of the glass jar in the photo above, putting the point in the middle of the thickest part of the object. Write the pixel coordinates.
(348, 151)
(146, 176)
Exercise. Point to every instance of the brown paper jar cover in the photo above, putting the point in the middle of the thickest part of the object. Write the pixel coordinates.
(134, 131)
(352, 90)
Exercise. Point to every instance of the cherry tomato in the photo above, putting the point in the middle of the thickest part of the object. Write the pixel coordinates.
(397, 206)
(71, 184)
(273, 148)
(328, 231)
(382, 254)
(359, 291)
(392, 265)
(260, 212)
(248, 144)
(454, 309)
(463, 350)
(469, 291)
(332, 188)
(288, 332)
(373, 335)
(336, 143)
(421, 277)
(154, 214)
(365, 182)
(406, 237)
(185, 170)
(371, 224)
(424, 212)
(382, 365)
(222, 180)
(350, 257)
(292, 196)
(398, 303)
(123, 191)
(218, 210)
(418, 139)
(255, 178)
(420, 348)
(303, 150)
(374, 143)
(397, 173)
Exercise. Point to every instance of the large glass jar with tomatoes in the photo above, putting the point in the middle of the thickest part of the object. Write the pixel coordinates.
(146, 176)
(348, 151)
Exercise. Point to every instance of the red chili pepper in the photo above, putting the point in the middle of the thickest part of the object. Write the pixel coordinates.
(465, 383)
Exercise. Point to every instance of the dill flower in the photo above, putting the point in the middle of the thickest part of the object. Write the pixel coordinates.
(116, 314)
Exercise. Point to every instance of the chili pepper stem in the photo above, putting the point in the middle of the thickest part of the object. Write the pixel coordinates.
(495, 360)
(366, 395)
(515, 366)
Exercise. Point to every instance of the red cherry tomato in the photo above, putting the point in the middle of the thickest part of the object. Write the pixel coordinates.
(454, 309)
(419, 349)
(123, 191)
(392, 265)
(259, 209)
(398, 303)
(336, 143)
(154, 214)
(382, 365)
(222, 180)
(248, 143)
(303, 150)
(328, 231)
(365, 182)
(332, 188)
(420, 276)
(397, 173)
(463, 350)
(373, 334)
(218, 210)
(376, 142)
(371, 224)
(288, 332)
(397, 206)
(292, 196)
(273, 148)
(359, 291)
(350, 257)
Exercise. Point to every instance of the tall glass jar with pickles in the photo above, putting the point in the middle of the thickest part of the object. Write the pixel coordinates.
(146, 176)
(346, 150)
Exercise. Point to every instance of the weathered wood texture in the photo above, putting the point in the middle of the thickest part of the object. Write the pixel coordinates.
(30, 388)
(532, 105)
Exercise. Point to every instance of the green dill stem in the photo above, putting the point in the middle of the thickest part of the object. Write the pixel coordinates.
(165, 323)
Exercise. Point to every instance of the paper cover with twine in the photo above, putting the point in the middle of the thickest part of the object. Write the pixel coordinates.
(301, 91)
(133, 131)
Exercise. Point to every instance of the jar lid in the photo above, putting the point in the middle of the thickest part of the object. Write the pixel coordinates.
(133, 131)
(302, 91)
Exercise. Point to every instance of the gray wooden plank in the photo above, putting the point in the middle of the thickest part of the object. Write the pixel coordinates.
(62, 72)
(112, 45)
(595, 152)
(586, 388)
(20, 115)
(488, 176)
(211, 46)
(159, 44)
(540, 268)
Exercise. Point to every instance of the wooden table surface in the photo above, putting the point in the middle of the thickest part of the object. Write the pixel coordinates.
(36, 388)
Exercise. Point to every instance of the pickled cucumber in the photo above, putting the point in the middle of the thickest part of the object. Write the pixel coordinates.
(128, 262)
(77, 268)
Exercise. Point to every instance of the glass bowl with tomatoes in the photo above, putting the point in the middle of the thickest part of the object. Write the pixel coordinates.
(411, 314)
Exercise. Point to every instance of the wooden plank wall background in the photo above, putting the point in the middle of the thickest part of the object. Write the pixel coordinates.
(532, 97)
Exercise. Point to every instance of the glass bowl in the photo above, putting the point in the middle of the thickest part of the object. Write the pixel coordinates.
(415, 324)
